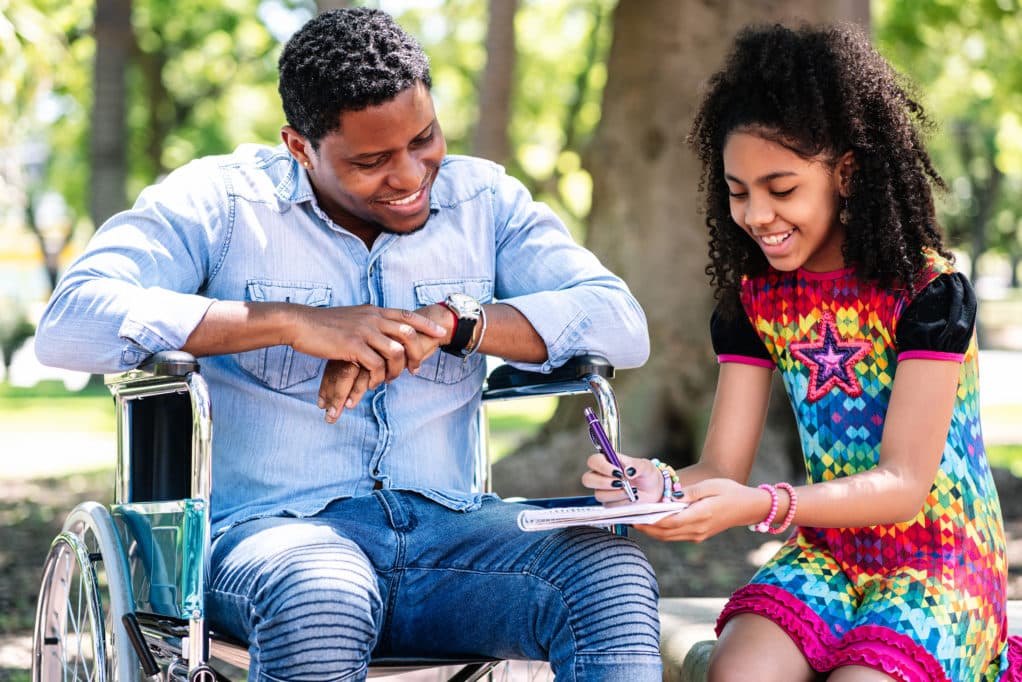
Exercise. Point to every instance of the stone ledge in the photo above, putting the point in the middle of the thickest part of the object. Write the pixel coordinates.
(686, 634)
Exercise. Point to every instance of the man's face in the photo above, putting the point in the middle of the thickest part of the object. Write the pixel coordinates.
(375, 172)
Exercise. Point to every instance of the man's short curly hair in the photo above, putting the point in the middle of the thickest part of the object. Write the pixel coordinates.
(345, 60)
(822, 91)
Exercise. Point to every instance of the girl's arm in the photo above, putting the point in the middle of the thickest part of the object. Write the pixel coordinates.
(736, 424)
(915, 431)
(732, 437)
(916, 428)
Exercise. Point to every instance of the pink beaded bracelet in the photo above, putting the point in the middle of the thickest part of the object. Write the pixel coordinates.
(792, 503)
(764, 525)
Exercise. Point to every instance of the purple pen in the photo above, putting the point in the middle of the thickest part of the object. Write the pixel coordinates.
(602, 443)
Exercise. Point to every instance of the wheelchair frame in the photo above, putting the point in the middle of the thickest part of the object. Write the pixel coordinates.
(150, 549)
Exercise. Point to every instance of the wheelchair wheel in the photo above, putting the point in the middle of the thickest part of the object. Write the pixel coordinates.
(69, 642)
(83, 594)
(521, 671)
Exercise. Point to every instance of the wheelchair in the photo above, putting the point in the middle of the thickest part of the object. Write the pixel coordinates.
(122, 587)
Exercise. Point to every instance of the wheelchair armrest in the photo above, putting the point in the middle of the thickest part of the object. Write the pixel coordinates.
(174, 363)
(570, 378)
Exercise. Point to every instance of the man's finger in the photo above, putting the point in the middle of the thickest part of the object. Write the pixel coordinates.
(335, 387)
(418, 322)
(358, 389)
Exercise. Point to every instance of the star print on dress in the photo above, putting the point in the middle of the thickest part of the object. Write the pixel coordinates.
(830, 360)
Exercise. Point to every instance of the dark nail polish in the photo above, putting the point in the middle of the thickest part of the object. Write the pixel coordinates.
(678, 494)
(618, 484)
(630, 471)
(616, 473)
(635, 490)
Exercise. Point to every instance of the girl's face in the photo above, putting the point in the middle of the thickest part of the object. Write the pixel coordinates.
(787, 204)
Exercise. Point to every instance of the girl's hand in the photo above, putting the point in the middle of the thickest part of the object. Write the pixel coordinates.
(342, 386)
(714, 505)
(609, 488)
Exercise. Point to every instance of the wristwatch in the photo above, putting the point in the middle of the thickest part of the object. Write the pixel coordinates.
(467, 312)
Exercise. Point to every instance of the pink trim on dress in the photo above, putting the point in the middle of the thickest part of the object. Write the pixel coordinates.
(1014, 671)
(745, 360)
(930, 355)
(871, 646)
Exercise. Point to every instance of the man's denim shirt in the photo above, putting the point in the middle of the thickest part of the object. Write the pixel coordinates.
(247, 226)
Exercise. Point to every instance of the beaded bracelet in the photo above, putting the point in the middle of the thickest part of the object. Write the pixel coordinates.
(792, 503)
(764, 525)
(672, 485)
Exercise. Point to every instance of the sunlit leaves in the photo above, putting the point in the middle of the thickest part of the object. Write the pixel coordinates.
(967, 57)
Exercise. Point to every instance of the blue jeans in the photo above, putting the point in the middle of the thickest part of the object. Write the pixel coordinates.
(395, 574)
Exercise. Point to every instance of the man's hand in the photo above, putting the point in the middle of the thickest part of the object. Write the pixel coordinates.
(442, 317)
(343, 385)
(381, 341)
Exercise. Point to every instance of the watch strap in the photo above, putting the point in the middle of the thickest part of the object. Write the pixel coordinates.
(461, 336)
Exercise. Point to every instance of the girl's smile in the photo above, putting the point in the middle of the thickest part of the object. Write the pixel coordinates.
(786, 203)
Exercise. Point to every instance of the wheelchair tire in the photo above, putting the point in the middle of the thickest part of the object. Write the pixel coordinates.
(78, 634)
(69, 642)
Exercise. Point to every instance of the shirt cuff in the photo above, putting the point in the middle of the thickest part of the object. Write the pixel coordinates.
(546, 314)
(160, 319)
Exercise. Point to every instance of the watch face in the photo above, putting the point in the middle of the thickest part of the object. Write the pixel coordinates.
(463, 305)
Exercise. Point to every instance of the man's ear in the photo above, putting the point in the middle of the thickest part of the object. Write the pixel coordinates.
(845, 169)
(299, 147)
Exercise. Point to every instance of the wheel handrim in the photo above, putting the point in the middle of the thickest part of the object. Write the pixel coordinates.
(69, 639)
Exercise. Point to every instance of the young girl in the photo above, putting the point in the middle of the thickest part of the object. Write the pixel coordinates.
(829, 267)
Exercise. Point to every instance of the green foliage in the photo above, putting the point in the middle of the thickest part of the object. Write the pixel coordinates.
(559, 77)
(966, 56)
(203, 80)
(1006, 456)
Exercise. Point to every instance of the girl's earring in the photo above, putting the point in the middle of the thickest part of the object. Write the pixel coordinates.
(845, 215)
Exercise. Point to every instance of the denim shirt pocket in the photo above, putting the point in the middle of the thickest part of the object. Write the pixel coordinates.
(441, 367)
(281, 367)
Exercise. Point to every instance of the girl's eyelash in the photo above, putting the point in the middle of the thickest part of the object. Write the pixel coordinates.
(783, 193)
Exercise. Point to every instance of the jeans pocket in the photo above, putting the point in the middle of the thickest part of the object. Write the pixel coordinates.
(441, 367)
(281, 367)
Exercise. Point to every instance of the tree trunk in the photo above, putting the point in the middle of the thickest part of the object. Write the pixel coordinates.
(491, 134)
(644, 226)
(114, 43)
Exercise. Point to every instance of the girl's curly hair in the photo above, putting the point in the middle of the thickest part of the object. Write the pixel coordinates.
(821, 92)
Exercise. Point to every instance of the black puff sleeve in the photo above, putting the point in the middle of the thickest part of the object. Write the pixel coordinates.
(733, 335)
(940, 319)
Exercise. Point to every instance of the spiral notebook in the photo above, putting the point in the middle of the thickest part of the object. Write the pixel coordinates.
(561, 517)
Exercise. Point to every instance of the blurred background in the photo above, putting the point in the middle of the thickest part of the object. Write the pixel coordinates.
(586, 101)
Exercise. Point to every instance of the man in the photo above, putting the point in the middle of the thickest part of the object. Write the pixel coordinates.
(297, 268)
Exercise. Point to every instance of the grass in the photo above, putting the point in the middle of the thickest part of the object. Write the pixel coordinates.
(512, 421)
(50, 407)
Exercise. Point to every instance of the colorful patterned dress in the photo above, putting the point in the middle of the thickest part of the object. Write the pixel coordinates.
(923, 600)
